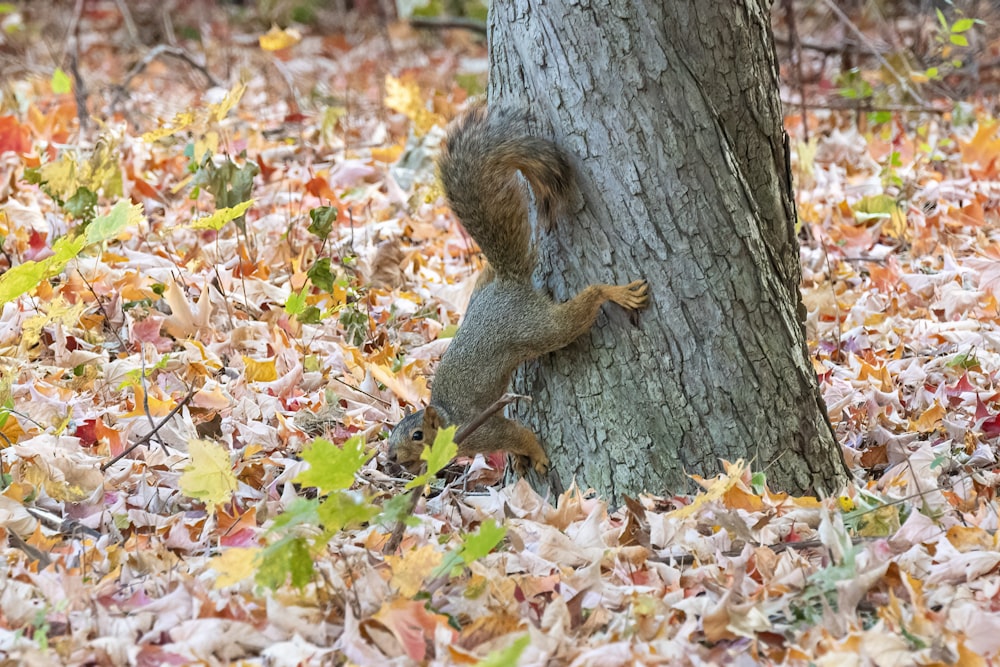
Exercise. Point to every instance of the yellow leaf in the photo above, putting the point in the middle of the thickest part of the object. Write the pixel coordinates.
(157, 406)
(714, 490)
(928, 421)
(209, 477)
(59, 311)
(260, 371)
(234, 565)
(232, 98)
(218, 219)
(411, 389)
(389, 154)
(410, 570)
(970, 538)
(404, 97)
(277, 39)
(200, 117)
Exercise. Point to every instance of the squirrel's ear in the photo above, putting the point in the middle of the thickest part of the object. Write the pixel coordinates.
(432, 420)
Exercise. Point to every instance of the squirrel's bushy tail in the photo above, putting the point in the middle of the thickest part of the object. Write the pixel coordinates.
(483, 152)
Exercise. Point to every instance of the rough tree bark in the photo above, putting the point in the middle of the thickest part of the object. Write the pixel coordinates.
(671, 110)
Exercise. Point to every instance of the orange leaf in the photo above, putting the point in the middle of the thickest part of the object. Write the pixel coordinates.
(929, 420)
(411, 624)
(14, 136)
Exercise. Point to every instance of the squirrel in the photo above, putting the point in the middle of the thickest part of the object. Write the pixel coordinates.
(508, 321)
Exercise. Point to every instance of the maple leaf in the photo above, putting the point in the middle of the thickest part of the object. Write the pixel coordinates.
(412, 624)
(234, 565)
(277, 39)
(474, 547)
(404, 97)
(14, 136)
(506, 656)
(437, 455)
(209, 477)
(410, 570)
(25, 277)
(332, 468)
(219, 219)
(345, 509)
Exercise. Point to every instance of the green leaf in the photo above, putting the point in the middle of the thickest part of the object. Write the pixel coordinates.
(229, 183)
(7, 8)
(288, 558)
(60, 82)
(209, 477)
(474, 546)
(27, 276)
(332, 468)
(345, 509)
(82, 204)
(438, 455)
(302, 512)
(311, 315)
(323, 218)
(219, 219)
(941, 19)
(961, 25)
(879, 117)
(396, 509)
(442, 451)
(931, 73)
(296, 302)
(506, 657)
(20, 279)
(321, 275)
(483, 541)
(106, 227)
(959, 40)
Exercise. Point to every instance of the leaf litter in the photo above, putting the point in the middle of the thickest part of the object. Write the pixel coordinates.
(252, 287)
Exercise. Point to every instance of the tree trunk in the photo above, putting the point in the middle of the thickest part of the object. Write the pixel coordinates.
(671, 112)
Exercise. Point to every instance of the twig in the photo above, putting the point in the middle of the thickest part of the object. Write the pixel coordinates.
(146, 438)
(361, 391)
(864, 105)
(445, 23)
(145, 394)
(167, 50)
(827, 49)
(480, 419)
(796, 56)
(79, 87)
(100, 304)
(415, 493)
(133, 32)
(843, 18)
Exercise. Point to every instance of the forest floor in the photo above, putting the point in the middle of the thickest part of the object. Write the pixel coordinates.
(195, 390)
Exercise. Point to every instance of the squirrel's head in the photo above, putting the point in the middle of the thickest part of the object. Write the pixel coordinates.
(407, 440)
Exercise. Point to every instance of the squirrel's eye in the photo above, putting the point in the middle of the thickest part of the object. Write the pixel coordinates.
(418, 435)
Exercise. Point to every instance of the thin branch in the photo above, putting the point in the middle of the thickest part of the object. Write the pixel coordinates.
(843, 18)
(472, 25)
(173, 52)
(796, 56)
(864, 105)
(133, 32)
(79, 86)
(146, 438)
(415, 493)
